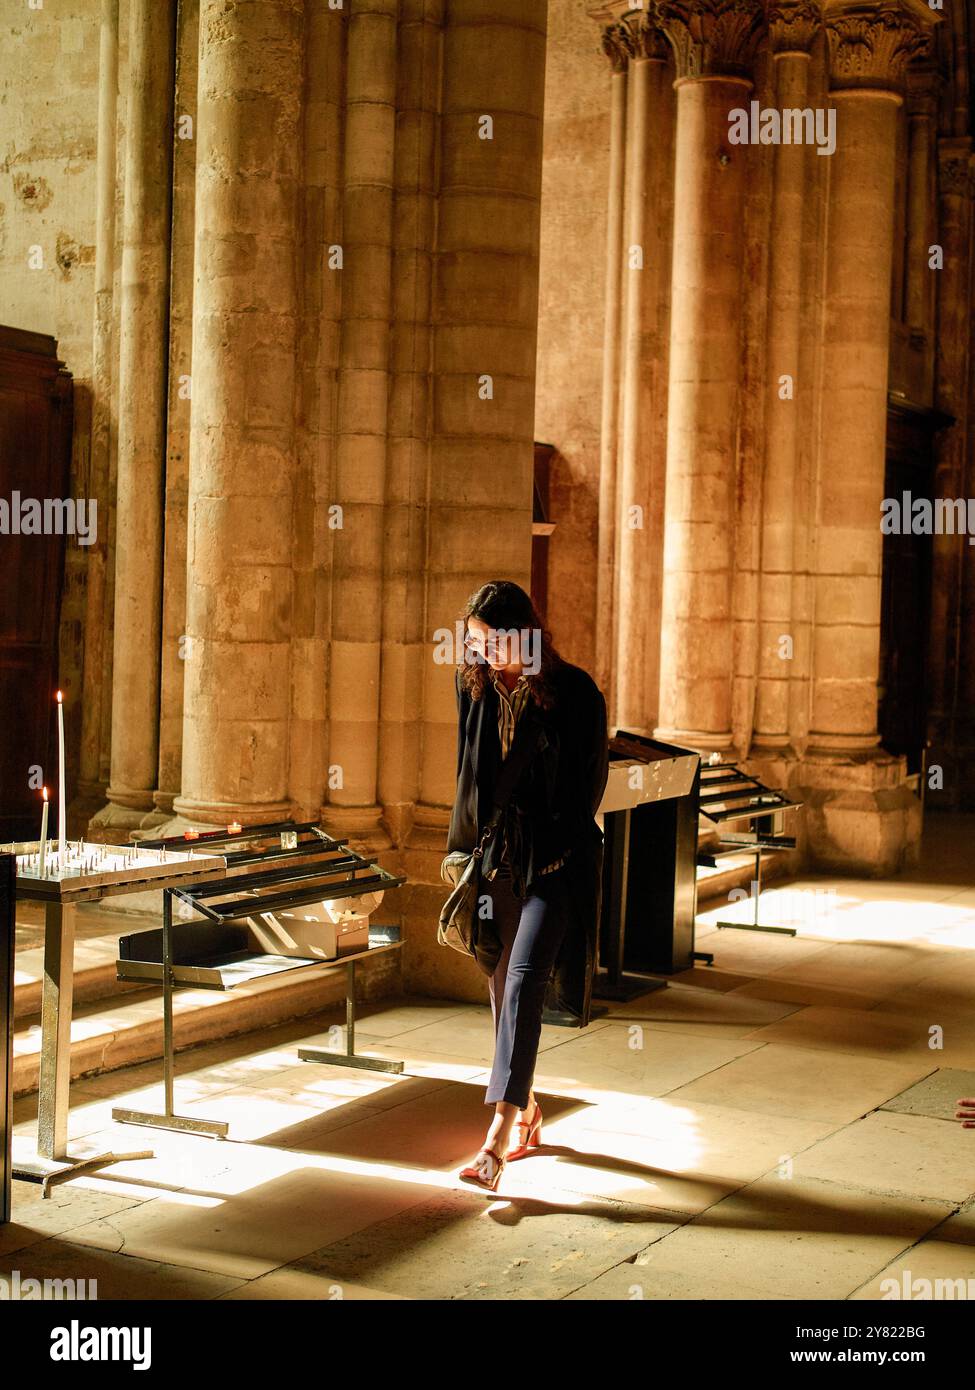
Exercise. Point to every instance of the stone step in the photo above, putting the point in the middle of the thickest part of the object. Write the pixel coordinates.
(110, 1033)
(94, 975)
(737, 872)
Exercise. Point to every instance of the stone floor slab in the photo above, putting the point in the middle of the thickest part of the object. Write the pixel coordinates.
(897, 1153)
(526, 1249)
(789, 1081)
(784, 1239)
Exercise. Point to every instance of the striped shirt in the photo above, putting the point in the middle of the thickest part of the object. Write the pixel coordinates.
(510, 707)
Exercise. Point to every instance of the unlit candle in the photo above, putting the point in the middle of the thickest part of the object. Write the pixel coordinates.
(62, 790)
(42, 854)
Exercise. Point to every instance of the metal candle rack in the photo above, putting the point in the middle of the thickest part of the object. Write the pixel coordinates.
(285, 865)
(90, 873)
(728, 794)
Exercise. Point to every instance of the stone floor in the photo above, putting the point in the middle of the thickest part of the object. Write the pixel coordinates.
(779, 1126)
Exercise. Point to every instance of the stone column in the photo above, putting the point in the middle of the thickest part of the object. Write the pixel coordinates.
(869, 47)
(320, 314)
(793, 25)
(616, 45)
(173, 652)
(641, 465)
(97, 632)
(713, 42)
(359, 480)
(242, 437)
(142, 413)
(950, 712)
(859, 812)
(922, 115)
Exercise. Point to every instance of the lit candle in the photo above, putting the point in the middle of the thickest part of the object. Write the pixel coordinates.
(62, 791)
(234, 828)
(43, 850)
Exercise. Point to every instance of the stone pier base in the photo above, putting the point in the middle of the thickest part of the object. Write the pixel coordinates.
(860, 816)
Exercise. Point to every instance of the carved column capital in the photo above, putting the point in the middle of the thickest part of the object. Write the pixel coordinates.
(871, 42)
(616, 47)
(793, 24)
(649, 38)
(630, 34)
(711, 38)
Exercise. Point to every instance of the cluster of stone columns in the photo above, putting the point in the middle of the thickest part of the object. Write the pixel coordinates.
(336, 436)
(344, 265)
(815, 685)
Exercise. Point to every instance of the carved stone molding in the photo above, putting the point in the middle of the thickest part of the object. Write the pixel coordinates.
(711, 38)
(956, 167)
(871, 42)
(793, 24)
(922, 89)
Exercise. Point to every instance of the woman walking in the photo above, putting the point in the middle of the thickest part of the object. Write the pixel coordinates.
(541, 870)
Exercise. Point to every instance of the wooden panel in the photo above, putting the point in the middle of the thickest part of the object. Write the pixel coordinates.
(7, 909)
(35, 450)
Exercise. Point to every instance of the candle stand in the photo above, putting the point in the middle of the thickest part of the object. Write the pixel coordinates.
(87, 873)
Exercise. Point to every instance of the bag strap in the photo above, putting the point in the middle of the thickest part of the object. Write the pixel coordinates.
(511, 769)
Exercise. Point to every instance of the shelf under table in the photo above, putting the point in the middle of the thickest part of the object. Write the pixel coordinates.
(227, 970)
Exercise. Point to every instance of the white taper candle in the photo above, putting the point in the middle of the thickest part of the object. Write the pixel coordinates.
(62, 790)
(43, 850)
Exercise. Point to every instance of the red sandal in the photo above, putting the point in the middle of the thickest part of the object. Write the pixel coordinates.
(474, 1173)
(533, 1135)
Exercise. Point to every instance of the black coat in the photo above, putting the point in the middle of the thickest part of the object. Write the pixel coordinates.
(557, 797)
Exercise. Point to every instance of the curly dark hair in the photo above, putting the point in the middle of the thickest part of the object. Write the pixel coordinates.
(503, 604)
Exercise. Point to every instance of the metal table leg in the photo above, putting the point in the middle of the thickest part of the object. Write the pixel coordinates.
(56, 1005)
(52, 1162)
(756, 925)
(349, 1058)
(185, 1124)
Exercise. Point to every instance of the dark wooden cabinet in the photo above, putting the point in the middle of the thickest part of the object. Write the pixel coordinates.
(35, 458)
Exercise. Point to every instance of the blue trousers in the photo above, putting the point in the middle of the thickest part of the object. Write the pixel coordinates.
(531, 932)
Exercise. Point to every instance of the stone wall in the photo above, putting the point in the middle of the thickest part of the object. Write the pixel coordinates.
(48, 143)
(571, 306)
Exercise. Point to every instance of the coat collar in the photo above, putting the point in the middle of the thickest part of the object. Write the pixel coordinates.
(482, 729)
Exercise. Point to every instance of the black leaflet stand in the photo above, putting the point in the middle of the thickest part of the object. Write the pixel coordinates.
(649, 902)
(8, 870)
